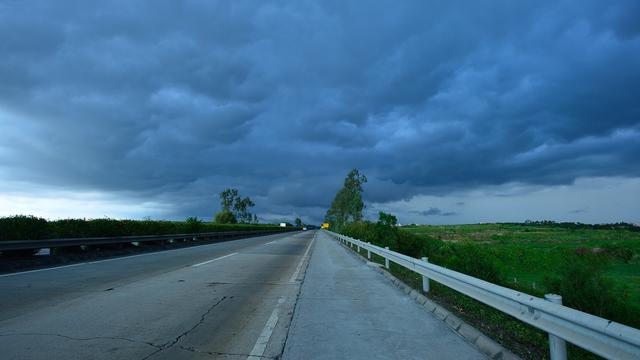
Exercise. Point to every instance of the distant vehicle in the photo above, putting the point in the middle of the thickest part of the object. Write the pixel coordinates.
(325, 225)
(304, 228)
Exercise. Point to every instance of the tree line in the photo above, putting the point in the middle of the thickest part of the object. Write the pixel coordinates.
(235, 209)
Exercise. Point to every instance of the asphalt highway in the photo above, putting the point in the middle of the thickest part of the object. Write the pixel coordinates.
(285, 296)
(231, 300)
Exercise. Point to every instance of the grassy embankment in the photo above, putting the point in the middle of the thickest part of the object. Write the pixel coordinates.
(597, 270)
(527, 255)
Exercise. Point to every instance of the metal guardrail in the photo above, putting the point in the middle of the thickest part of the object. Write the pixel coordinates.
(600, 336)
(56, 243)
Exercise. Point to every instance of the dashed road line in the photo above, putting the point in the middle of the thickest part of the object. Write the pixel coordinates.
(212, 260)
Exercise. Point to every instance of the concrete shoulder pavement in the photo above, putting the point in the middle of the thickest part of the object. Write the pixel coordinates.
(347, 311)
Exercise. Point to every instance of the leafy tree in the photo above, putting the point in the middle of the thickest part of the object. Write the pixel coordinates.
(234, 208)
(227, 198)
(298, 222)
(387, 219)
(240, 209)
(347, 205)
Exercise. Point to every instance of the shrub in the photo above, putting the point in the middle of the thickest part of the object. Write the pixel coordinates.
(472, 260)
(383, 235)
(193, 224)
(622, 253)
(225, 217)
(377, 234)
(433, 249)
(409, 244)
(21, 227)
(32, 228)
(583, 286)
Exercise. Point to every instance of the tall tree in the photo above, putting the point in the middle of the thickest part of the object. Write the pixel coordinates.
(227, 198)
(234, 208)
(241, 209)
(347, 204)
(298, 222)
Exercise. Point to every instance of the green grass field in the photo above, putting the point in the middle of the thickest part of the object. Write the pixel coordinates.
(527, 254)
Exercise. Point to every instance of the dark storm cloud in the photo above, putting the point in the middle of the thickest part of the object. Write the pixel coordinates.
(579, 211)
(176, 101)
(432, 211)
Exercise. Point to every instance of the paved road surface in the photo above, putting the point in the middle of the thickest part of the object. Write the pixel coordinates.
(232, 300)
(348, 311)
(226, 300)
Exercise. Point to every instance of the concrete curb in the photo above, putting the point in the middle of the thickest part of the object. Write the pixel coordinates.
(485, 344)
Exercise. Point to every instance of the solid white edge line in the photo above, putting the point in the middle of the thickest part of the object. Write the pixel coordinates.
(39, 270)
(89, 262)
(263, 340)
(299, 267)
(212, 260)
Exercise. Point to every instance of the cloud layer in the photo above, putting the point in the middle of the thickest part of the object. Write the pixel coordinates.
(163, 102)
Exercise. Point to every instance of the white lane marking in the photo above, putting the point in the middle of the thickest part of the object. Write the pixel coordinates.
(212, 260)
(270, 242)
(39, 270)
(295, 274)
(89, 262)
(124, 257)
(263, 340)
(98, 261)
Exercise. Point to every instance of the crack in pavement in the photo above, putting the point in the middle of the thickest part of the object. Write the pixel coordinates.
(158, 348)
(169, 344)
(86, 338)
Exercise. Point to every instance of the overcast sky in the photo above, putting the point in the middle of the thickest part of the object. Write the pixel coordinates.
(457, 111)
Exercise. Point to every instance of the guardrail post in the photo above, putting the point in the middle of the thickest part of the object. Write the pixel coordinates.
(386, 261)
(425, 280)
(358, 248)
(557, 346)
(368, 253)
